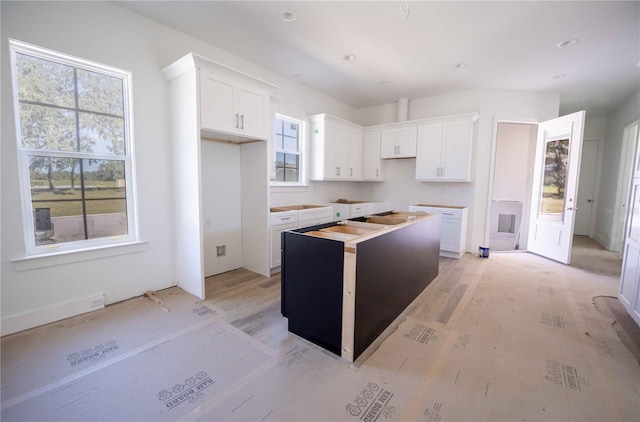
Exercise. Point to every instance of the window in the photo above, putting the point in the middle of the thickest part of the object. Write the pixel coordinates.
(288, 163)
(74, 141)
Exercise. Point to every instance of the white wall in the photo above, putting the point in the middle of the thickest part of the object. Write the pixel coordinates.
(221, 206)
(512, 162)
(624, 115)
(107, 33)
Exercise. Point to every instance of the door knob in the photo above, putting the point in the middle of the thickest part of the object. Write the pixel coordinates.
(589, 200)
(569, 208)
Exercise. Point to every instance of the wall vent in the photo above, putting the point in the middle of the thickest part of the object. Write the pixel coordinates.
(221, 250)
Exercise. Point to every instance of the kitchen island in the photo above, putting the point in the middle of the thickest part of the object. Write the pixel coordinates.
(344, 283)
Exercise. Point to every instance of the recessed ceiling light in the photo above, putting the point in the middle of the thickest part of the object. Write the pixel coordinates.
(568, 43)
(460, 65)
(288, 15)
(559, 76)
(384, 83)
(349, 57)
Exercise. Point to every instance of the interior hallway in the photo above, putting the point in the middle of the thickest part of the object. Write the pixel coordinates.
(511, 337)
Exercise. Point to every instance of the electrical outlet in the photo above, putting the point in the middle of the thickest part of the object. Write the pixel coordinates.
(221, 250)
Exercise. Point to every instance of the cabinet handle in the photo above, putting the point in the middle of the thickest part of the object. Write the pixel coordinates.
(442, 172)
(285, 218)
(337, 171)
(242, 121)
(350, 172)
(377, 173)
(237, 121)
(398, 149)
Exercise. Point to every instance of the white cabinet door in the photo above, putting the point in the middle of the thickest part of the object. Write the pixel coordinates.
(218, 103)
(332, 152)
(276, 243)
(372, 164)
(428, 152)
(388, 143)
(354, 158)
(444, 151)
(336, 149)
(456, 151)
(450, 235)
(252, 110)
(398, 142)
(407, 137)
(227, 106)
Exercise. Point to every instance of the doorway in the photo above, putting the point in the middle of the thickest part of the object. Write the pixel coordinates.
(587, 188)
(512, 179)
(627, 155)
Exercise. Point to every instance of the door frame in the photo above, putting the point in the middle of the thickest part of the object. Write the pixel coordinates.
(596, 188)
(623, 190)
(497, 119)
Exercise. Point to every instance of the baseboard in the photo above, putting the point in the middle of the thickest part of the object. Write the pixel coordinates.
(601, 240)
(15, 323)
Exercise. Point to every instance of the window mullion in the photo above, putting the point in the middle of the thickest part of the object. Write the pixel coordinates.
(80, 161)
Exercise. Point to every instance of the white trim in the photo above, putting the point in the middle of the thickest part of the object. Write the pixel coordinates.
(492, 165)
(14, 323)
(30, 248)
(77, 255)
(623, 190)
(303, 162)
(596, 188)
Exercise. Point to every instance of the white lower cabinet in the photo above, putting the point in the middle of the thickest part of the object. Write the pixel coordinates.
(314, 216)
(453, 236)
(294, 219)
(280, 221)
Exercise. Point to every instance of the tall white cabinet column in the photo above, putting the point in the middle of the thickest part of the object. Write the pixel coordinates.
(199, 91)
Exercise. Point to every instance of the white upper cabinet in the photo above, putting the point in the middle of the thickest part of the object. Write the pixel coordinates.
(399, 142)
(444, 149)
(231, 107)
(336, 149)
(371, 162)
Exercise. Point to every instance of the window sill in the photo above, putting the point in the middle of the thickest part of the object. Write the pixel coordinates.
(286, 187)
(67, 257)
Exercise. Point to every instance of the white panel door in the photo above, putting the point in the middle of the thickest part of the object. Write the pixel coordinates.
(629, 293)
(555, 185)
(584, 203)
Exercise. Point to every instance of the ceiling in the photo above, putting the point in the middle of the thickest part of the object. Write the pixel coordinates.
(422, 48)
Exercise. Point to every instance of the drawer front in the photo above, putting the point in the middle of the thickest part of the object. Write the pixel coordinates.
(452, 213)
(324, 213)
(358, 210)
(314, 214)
(283, 218)
(445, 213)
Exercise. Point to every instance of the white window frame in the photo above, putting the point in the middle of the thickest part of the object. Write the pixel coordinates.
(128, 158)
(302, 156)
